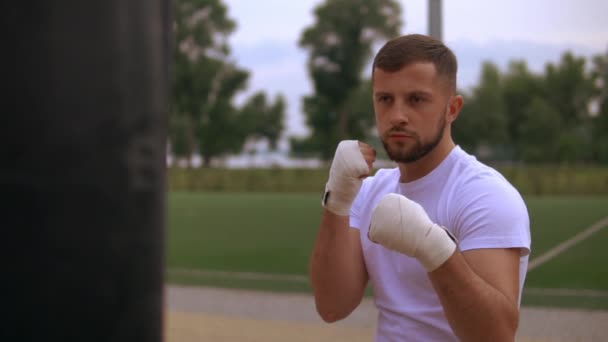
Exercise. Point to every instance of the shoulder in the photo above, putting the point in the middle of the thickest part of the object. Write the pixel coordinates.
(479, 182)
(472, 178)
(489, 194)
(482, 199)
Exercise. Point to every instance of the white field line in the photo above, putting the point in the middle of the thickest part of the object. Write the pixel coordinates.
(553, 252)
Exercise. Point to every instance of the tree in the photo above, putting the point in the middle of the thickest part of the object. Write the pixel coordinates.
(205, 81)
(483, 119)
(265, 119)
(539, 117)
(181, 135)
(221, 128)
(539, 131)
(570, 88)
(599, 120)
(520, 87)
(340, 45)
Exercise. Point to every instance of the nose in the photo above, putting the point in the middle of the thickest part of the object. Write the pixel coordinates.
(398, 115)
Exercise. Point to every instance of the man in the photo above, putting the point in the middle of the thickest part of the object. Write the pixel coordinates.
(443, 238)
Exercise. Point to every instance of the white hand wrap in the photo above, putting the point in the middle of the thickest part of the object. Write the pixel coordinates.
(402, 225)
(347, 168)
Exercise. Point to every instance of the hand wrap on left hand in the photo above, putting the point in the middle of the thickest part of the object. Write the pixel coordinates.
(402, 225)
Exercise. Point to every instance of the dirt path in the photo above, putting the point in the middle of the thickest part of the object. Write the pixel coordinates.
(209, 314)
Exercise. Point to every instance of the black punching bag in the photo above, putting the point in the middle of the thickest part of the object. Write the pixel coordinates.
(82, 181)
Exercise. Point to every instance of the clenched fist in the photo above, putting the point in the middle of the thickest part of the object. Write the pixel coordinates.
(402, 225)
(353, 161)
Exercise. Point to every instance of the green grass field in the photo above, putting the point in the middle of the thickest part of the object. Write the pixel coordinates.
(273, 233)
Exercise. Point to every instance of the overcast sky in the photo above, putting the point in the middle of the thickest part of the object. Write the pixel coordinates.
(538, 31)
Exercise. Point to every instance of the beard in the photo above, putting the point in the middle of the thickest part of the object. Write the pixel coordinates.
(401, 154)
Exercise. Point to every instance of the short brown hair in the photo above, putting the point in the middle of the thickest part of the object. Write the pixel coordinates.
(402, 51)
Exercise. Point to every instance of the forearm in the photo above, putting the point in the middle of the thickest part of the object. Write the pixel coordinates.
(337, 269)
(475, 310)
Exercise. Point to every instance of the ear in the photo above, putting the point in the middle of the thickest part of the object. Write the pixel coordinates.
(456, 103)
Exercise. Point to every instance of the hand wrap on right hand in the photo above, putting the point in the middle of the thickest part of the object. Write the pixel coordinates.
(345, 177)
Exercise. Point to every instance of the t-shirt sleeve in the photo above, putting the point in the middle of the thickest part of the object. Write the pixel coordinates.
(490, 213)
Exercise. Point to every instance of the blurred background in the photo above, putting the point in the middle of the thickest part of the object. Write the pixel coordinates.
(262, 92)
(304, 71)
(164, 160)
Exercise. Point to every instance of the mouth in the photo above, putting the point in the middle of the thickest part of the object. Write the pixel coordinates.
(399, 136)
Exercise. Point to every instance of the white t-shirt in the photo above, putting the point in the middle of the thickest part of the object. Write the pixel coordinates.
(474, 202)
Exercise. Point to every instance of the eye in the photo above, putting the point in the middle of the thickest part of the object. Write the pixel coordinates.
(384, 99)
(416, 99)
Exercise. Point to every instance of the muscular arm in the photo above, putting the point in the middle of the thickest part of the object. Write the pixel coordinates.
(337, 269)
(479, 291)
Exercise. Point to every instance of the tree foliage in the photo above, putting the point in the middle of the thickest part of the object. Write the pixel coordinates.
(599, 105)
(265, 119)
(557, 115)
(543, 117)
(477, 126)
(205, 82)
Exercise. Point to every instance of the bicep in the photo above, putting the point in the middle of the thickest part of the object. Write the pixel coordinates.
(499, 267)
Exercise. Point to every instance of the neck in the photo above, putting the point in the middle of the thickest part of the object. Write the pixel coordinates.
(423, 166)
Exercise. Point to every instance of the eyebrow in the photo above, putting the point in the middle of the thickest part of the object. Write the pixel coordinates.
(382, 93)
(418, 92)
(421, 93)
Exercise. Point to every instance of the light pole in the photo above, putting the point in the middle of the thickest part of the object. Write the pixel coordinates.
(435, 27)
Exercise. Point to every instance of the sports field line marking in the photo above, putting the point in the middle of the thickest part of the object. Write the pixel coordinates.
(238, 275)
(553, 252)
(304, 279)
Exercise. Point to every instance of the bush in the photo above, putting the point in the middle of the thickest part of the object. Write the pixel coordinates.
(529, 180)
(243, 180)
(558, 179)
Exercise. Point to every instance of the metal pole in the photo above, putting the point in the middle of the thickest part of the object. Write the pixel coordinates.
(82, 142)
(435, 17)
